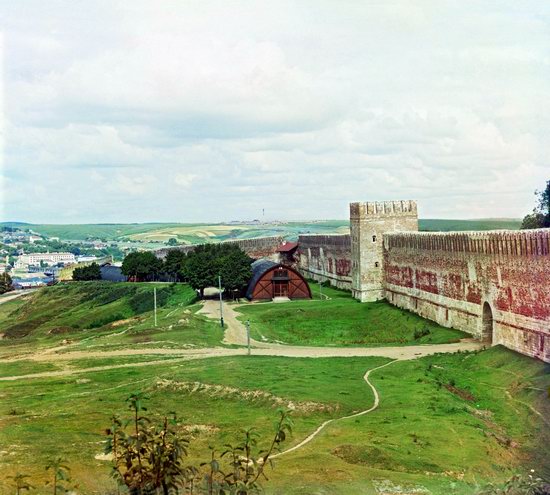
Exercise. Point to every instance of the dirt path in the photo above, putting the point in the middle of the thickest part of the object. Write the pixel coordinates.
(15, 294)
(375, 405)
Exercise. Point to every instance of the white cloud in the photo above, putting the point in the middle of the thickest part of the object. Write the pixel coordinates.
(296, 107)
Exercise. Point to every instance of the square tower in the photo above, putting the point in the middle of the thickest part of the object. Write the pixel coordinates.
(368, 222)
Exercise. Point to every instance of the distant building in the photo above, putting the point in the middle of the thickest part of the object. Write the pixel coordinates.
(26, 260)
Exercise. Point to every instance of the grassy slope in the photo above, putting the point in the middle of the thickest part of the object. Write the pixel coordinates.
(435, 224)
(106, 314)
(195, 233)
(341, 320)
(422, 435)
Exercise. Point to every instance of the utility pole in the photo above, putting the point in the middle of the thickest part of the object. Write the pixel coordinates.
(155, 303)
(248, 335)
(221, 301)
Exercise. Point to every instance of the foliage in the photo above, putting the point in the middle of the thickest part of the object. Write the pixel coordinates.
(141, 266)
(89, 272)
(518, 485)
(540, 218)
(60, 475)
(202, 267)
(20, 482)
(5, 283)
(149, 457)
(173, 264)
(172, 241)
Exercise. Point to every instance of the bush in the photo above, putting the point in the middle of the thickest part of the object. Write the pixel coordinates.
(89, 272)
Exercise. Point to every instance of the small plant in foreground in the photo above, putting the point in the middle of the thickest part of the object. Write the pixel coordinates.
(60, 473)
(20, 483)
(148, 458)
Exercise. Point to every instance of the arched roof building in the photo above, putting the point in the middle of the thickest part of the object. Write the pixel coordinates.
(271, 280)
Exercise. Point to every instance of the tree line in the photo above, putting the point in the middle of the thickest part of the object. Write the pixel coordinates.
(540, 218)
(200, 268)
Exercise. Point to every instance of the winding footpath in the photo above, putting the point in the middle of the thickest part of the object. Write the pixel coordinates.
(235, 334)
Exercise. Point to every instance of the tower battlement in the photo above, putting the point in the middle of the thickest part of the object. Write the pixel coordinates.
(383, 208)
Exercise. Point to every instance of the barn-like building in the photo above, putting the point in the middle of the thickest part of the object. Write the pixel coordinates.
(270, 280)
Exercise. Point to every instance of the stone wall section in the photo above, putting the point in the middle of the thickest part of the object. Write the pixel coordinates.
(326, 257)
(258, 247)
(493, 285)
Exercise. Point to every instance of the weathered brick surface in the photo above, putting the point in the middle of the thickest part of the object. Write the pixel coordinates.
(326, 257)
(451, 277)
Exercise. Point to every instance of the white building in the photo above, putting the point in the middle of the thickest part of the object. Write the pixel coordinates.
(26, 260)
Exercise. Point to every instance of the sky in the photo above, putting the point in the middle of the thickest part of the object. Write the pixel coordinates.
(207, 111)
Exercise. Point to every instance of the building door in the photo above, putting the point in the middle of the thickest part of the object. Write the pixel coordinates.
(280, 288)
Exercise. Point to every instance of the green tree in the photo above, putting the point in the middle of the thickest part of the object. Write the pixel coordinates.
(172, 241)
(141, 266)
(173, 264)
(540, 218)
(148, 457)
(200, 269)
(234, 267)
(89, 272)
(5, 283)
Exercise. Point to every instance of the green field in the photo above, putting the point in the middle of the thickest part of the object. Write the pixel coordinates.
(342, 321)
(446, 423)
(198, 233)
(106, 315)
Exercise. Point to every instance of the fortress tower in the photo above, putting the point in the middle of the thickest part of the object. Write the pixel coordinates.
(368, 222)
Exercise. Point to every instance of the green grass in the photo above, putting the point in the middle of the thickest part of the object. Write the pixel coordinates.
(342, 321)
(106, 315)
(445, 225)
(423, 434)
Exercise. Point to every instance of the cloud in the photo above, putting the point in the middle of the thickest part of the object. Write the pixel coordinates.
(295, 107)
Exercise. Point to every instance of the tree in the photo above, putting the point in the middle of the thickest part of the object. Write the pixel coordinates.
(234, 267)
(173, 264)
(141, 266)
(5, 283)
(200, 269)
(148, 457)
(540, 218)
(89, 272)
(172, 241)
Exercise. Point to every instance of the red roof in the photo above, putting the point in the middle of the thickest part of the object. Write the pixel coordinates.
(287, 247)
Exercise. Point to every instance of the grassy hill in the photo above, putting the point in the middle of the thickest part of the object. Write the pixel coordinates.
(114, 314)
(342, 321)
(446, 424)
(198, 233)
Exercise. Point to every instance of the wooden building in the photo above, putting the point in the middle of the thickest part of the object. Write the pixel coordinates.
(270, 280)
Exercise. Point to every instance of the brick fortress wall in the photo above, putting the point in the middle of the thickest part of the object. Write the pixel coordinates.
(326, 257)
(494, 285)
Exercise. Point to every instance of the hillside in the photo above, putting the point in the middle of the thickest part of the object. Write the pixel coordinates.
(90, 310)
(198, 233)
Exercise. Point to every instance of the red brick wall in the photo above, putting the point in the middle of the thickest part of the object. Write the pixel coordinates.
(448, 277)
(326, 257)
